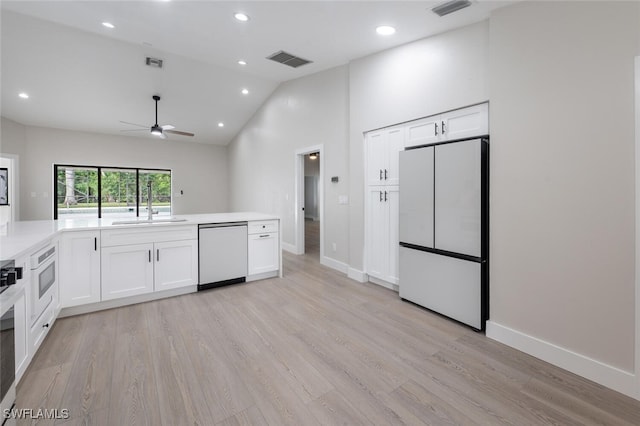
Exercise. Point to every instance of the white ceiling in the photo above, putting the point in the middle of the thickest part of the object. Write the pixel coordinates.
(83, 76)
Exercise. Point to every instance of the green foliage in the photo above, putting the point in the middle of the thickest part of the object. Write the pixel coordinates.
(118, 187)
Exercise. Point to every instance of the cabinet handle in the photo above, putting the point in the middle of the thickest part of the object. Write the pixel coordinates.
(149, 256)
(380, 175)
(45, 325)
(443, 128)
(158, 255)
(385, 174)
(95, 243)
(380, 195)
(264, 236)
(436, 128)
(385, 195)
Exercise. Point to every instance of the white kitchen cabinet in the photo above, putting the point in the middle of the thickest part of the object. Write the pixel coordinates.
(457, 124)
(21, 314)
(262, 253)
(41, 327)
(175, 264)
(382, 148)
(263, 245)
(146, 260)
(127, 270)
(79, 268)
(423, 132)
(382, 233)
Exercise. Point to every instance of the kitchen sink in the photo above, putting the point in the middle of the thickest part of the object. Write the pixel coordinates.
(147, 221)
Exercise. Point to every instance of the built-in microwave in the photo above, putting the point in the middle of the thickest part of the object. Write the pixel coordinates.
(44, 279)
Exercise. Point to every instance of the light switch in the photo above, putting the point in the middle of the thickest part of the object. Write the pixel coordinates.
(343, 199)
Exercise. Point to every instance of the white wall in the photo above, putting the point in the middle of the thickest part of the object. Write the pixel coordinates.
(562, 176)
(300, 113)
(426, 77)
(199, 170)
(12, 144)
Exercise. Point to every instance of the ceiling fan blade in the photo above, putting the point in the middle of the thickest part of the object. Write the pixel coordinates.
(135, 124)
(135, 130)
(179, 132)
(163, 136)
(167, 127)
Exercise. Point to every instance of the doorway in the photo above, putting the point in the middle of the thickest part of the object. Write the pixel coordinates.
(309, 200)
(9, 195)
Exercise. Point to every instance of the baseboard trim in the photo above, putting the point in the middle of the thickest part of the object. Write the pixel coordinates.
(599, 372)
(383, 283)
(289, 247)
(357, 275)
(334, 264)
(116, 303)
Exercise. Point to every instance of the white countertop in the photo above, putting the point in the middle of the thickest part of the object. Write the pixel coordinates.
(23, 238)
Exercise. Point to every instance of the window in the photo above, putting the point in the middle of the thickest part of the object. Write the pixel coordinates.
(96, 192)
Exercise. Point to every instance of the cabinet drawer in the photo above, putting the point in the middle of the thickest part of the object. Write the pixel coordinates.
(42, 326)
(153, 234)
(263, 227)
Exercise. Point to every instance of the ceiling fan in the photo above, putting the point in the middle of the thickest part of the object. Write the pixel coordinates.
(155, 129)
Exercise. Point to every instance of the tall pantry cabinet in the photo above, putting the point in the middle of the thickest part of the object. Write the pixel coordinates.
(382, 178)
(382, 148)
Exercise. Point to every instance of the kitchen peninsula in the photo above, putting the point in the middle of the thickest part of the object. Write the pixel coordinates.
(74, 266)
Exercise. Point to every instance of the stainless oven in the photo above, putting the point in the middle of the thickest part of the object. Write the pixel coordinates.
(44, 279)
(7, 361)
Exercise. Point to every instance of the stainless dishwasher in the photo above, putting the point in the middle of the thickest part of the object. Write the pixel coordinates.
(222, 254)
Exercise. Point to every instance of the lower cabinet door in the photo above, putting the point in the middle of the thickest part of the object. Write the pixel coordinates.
(127, 270)
(176, 264)
(79, 260)
(263, 253)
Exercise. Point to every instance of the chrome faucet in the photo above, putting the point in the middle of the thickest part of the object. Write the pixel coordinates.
(149, 208)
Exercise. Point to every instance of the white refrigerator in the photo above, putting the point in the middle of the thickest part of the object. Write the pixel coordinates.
(444, 224)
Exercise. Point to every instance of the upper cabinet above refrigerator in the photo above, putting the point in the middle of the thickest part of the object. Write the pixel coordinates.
(459, 124)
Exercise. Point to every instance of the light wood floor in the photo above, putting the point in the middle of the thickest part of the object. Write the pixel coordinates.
(312, 237)
(311, 348)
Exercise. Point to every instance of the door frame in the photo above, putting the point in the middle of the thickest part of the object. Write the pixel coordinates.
(14, 185)
(637, 223)
(299, 197)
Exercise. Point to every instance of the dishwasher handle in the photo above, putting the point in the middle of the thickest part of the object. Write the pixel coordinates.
(221, 225)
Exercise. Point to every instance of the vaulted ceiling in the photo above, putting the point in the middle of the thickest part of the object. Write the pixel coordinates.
(81, 75)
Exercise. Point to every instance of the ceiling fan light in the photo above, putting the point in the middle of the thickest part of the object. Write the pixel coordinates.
(156, 130)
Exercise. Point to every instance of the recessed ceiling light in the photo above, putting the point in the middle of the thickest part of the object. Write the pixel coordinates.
(241, 17)
(241, 62)
(221, 124)
(385, 30)
(245, 91)
(24, 95)
(108, 25)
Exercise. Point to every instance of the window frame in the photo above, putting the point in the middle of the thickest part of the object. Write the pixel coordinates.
(99, 196)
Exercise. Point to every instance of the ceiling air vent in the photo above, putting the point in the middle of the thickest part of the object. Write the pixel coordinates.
(154, 62)
(450, 7)
(288, 59)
